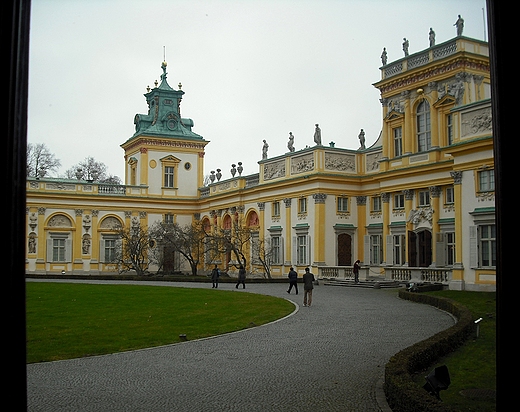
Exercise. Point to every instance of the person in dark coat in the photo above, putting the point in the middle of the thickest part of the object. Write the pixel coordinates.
(293, 280)
(355, 269)
(241, 277)
(308, 285)
(215, 273)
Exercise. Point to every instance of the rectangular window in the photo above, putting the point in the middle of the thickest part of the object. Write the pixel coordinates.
(110, 250)
(376, 252)
(486, 179)
(450, 248)
(376, 204)
(276, 209)
(276, 249)
(342, 204)
(398, 141)
(58, 250)
(488, 256)
(450, 195)
(449, 129)
(399, 249)
(301, 250)
(168, 176)
(424, 198)
(302, 205)
(168, 218)
(399, 201)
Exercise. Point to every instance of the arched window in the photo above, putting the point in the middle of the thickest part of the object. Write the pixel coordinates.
(424, 139)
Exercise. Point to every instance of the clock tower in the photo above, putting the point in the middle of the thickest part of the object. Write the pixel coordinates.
(164, 156)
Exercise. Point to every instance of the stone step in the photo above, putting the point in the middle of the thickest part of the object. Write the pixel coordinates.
(372, 284)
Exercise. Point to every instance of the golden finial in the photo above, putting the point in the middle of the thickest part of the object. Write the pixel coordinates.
(180, 85)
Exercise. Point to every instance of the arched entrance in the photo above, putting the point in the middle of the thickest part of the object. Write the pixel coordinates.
(344, 249)
(420, 248)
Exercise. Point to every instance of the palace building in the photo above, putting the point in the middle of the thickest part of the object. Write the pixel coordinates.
(418, 205)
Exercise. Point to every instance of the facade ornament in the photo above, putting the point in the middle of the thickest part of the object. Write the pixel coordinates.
(408, 194)
(240, 169)
(361, 137)
(406, 45)
(219, 175)
(435, 191)
(459, 24)
(317, 135)
(265, 147)
(431, 37)
(384, 56)
(290, 143)
(361, 200)
(31, 245)
(319, 197)
(212, 176)
(33, 220)
(87, 222)
(385, 197)
(457, 177)
(233, 170)
(423, 214)
(287, 201)
(85, 244)
(261, 206)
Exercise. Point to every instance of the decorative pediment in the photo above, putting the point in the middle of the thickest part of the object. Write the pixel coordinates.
(170, 159)
(446, 100)
(394, 115)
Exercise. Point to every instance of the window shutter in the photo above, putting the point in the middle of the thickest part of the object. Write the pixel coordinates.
(49, 250)
(389, 249)
(366, 252)
(308, 258)
(440, 253)
(294, 254)
(102, 250)
(473, 247)
(282, 249)
(68, 250)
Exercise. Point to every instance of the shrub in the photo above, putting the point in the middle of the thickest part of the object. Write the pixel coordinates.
(402, 393)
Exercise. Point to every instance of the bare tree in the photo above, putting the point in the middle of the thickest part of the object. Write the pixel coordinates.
(133, 254)
(263, 251)
(235, 240)
(40, 161)
(187, 240)
(92, 171)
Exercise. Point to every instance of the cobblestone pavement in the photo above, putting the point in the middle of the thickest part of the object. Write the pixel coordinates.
(328, 357)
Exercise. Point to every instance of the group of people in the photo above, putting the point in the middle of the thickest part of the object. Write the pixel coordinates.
(308, 280)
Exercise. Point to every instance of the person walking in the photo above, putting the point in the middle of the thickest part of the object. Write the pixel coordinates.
(241, 277)
(293, 280)
(308, 285)
(215, 273)
(355, 269)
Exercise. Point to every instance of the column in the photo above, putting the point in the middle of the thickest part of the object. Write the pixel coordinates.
(94, 253)
(408, 206)
(288, 225)
(320, 236)
(77, 262)
(408, 132)
(435, 194)
(361, 202)
(457, 281)
(41, 242)
(385, 197)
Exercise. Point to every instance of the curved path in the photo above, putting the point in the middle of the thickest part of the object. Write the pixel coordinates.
(328, 357)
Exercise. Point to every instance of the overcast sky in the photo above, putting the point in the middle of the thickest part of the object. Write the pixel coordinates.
(250, 70)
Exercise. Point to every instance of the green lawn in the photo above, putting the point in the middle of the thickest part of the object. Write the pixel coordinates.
(66, 320)
(472, 368)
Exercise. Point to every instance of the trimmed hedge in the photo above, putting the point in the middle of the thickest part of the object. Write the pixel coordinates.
(402, 393)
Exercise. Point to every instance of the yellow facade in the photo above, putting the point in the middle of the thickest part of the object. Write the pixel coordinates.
(418, 205)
